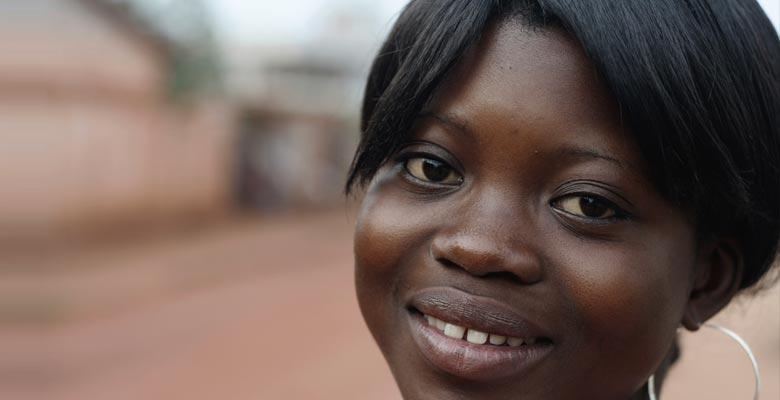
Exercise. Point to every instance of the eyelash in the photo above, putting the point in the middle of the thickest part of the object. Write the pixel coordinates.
(403, 159)
(619, 213)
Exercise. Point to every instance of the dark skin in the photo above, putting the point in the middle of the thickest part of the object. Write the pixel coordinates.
(520, 184)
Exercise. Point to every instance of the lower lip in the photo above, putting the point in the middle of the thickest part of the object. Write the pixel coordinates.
(474, 361)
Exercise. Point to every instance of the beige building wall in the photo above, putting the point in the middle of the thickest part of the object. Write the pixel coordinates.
(88, 137)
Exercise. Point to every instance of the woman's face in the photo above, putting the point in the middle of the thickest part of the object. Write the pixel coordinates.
(514, 247)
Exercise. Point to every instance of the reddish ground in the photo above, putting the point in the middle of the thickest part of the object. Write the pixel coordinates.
(262, 309)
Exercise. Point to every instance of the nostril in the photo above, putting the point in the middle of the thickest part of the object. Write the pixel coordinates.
(481, 256)
(498, 275)
(503, 275)
(447, 263)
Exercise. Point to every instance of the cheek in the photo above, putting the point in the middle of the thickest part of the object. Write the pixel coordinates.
(383, 234)
(627, 287)
(388, 232)
(630, 300)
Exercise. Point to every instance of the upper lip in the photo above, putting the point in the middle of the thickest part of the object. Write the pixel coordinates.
(478, 312)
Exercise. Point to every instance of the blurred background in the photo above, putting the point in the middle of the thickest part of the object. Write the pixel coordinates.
(172, 224)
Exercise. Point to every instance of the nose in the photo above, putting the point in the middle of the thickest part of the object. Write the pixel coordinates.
(484, 244)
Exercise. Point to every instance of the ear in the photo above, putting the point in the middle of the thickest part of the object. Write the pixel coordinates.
(716, 280)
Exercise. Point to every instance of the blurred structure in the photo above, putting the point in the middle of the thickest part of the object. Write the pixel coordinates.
(117, 114)
(298, 104)
(294, 149)
(92, 137)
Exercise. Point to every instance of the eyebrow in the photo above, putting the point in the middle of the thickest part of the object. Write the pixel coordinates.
(586, 153)
(457, 124)
(462, 126)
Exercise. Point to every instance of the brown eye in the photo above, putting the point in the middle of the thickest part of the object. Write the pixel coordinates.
(433, 171)
(586, 206)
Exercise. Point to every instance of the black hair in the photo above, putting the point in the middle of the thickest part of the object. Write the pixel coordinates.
(697, 82)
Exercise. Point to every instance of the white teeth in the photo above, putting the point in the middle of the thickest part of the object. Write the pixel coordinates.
(454, 331)
(497, 340)
(433, 321)
(476, 337)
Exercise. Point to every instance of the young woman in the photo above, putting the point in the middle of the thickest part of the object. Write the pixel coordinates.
(554, 187)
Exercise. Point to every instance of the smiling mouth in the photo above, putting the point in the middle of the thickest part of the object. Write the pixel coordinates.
(473, 337)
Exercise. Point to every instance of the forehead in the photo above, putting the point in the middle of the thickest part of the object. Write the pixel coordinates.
(534, 84)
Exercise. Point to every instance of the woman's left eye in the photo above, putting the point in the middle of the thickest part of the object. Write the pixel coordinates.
(432, 171)
(586, 206)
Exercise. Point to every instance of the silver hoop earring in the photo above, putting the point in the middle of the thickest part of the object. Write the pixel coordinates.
(742, 343)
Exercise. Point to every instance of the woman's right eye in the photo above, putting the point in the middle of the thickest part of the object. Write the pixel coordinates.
(430, 170)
